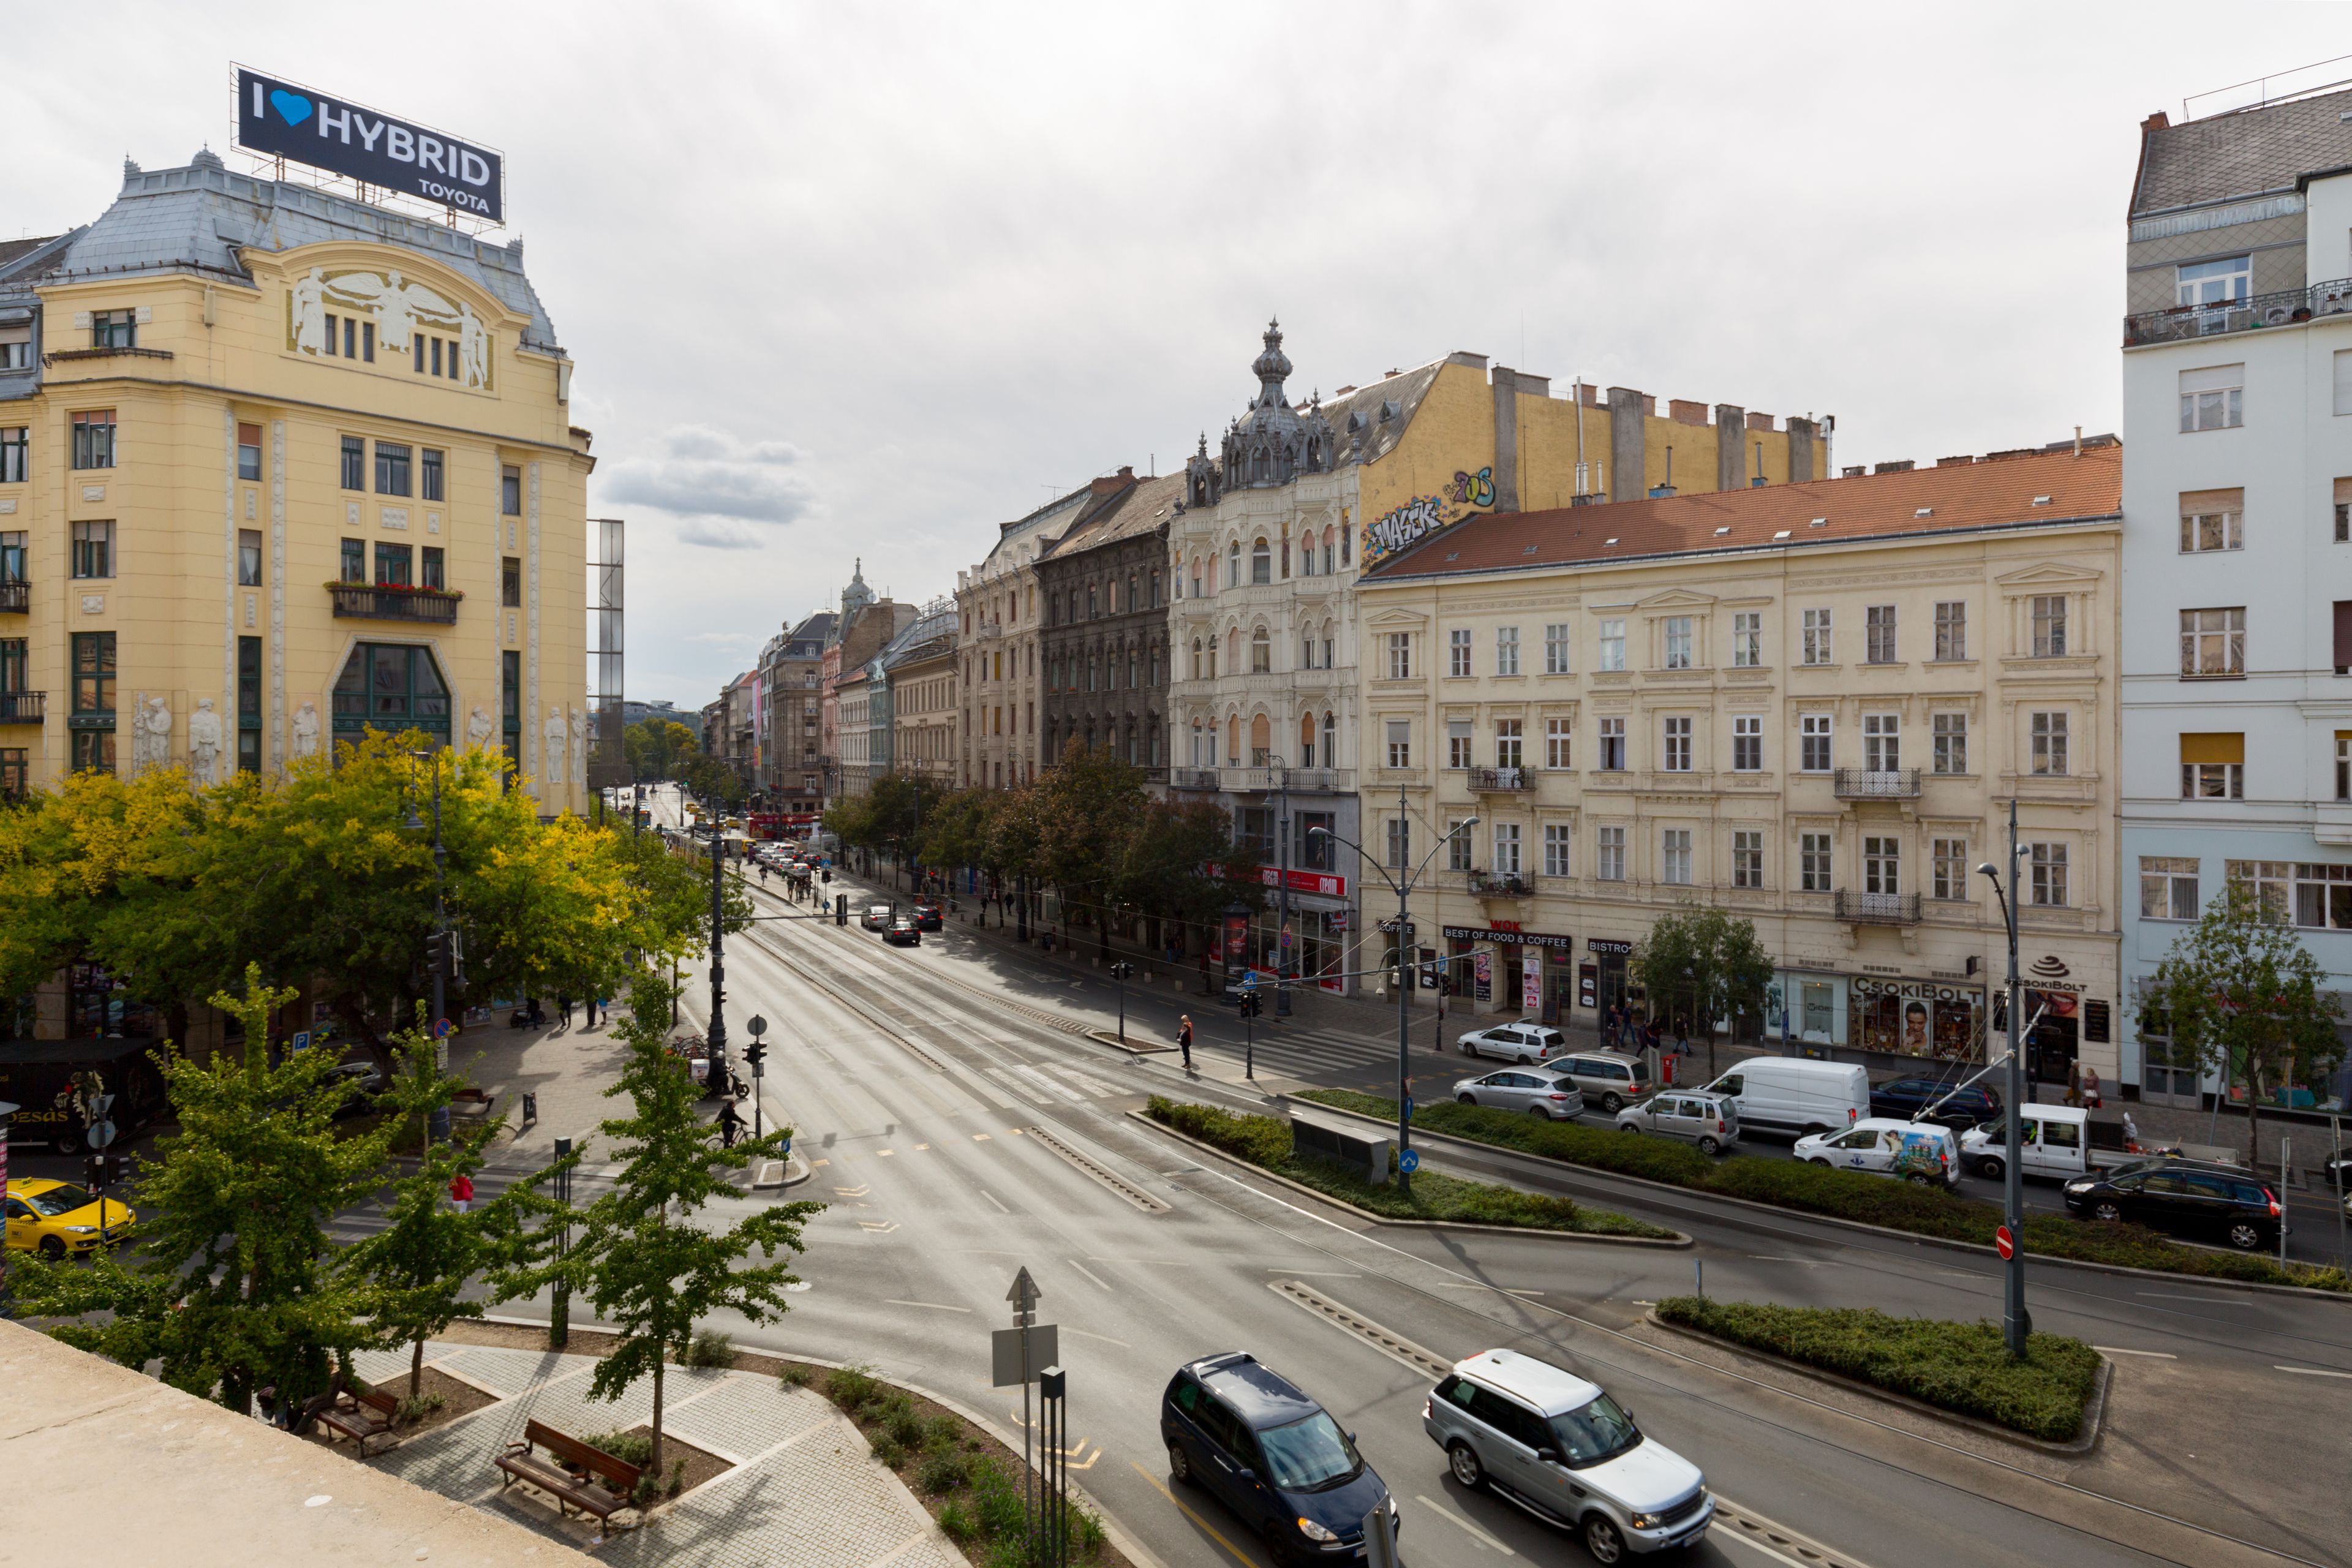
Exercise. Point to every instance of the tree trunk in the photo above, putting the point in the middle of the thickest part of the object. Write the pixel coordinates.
(2254, 1120)
(417, 1371)
(654, 1464)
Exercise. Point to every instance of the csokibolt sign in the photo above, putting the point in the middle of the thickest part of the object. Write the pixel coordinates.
(283, 119)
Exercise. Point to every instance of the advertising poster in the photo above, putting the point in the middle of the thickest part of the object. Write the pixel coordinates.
(1531, 981)
(1483, 967)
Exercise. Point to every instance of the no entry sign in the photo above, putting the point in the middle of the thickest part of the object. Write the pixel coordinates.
(2004, 1242)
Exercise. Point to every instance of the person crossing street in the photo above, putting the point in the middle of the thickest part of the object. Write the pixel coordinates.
(1184, 1041)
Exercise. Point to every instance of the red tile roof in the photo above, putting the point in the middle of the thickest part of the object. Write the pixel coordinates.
(2010, 491)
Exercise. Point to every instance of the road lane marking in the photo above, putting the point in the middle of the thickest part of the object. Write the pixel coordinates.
(2119, 1350)
(920, 1147)
(877, 1226)
(885, 1154)
(2175, 1296)
(980, 1138)
(1485, 1541)
(1104, 1338)
(2312, 1371)
(932, 1306)
(991, 1198)
(1394, 1346)
(1087, 1276)
(1306, 1274)
(1206, 1527)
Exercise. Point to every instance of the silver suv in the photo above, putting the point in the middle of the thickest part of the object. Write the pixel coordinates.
(1610, 1078)
(1557, 1445)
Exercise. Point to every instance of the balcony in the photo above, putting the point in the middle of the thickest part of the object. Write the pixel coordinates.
(1192, 778)
(988, 631)
(16, 598)
(2183, 323)
(1502, 885)
(395, 602)
(1878, 909)
(1876, 783)
(23, 707)
(1501, 780)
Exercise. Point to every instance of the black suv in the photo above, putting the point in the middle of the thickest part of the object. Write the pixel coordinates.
(2185, 1198)
(1961, 1108)
(1254, 1439)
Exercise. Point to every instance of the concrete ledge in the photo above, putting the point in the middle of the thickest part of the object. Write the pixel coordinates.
(1678, 1241)
(2092, 1412)
(1132, 1046)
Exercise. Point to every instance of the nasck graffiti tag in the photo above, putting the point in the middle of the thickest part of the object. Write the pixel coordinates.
(1417, 519)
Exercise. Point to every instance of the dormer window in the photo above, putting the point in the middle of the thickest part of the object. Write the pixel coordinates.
(114, 329)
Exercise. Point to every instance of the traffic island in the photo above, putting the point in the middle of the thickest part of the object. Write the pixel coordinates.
(1266, 1142)
(2052, 1398)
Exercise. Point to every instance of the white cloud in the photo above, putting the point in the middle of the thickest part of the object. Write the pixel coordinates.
(727, 493)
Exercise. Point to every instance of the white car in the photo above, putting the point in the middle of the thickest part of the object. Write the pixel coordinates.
(1543, 1094)
(1922, 1152)
(1525, 1041)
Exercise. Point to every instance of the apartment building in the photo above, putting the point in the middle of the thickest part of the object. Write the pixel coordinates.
(1104, 646)
(2237, 643)
(1808, 704)
(923, 669)
(791, 771)
(863, 627)
(997, 621)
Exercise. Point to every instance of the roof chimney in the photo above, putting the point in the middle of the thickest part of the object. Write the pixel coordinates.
(2157, 121)
(2078, 440)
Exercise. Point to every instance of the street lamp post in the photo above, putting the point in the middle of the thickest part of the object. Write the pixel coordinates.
(1282, 896)
(437, 1122)
(2015, 1322)
(715, 1075)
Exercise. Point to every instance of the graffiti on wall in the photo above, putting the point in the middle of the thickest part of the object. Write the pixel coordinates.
(1413, 520)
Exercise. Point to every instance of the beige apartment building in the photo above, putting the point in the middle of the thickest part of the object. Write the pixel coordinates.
(1807, 704)
(924, 709)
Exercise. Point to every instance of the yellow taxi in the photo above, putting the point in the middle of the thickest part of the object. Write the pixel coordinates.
(58, 1219)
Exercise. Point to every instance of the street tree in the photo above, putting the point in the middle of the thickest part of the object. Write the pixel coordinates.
(955, 831)
(657, 747)
(896, 804)
(1705, 961)
(2241, 989)
(1085, 807)
(1164, 863)
(231, 1283)
(644, 1255)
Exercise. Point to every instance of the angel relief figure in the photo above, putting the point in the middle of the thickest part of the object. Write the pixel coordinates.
(310, 311)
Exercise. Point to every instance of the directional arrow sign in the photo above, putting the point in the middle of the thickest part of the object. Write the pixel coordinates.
(1409, 1161)
(1024, 1294)
(100, 1134)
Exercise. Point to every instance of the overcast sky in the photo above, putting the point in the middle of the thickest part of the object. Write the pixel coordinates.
(850, 282)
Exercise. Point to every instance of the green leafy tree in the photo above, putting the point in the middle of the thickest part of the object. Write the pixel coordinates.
(851, 819)
(642, 1254)
(655, 748)
(955, 831)
(896, 804)
(231, 1284)
(2241, 989)
(1704, 961)
(1085, 807)
(1164, 863)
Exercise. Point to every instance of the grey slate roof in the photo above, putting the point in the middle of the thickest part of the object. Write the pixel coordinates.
(1138, 509)
(2249, 152)
(196, 218)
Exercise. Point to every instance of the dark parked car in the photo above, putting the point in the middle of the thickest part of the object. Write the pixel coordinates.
(1272, 1454)
(2213, 1203)
(927, 918)
(903, 933)
(1907, 1100)
(363, 1085)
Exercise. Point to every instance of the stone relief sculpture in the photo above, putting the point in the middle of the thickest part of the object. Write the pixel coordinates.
(203, 741)
(477, 727)
(553, 732)
(579, 747)
(306, 730)
(398, 308)
(151, 734)
(310, 311)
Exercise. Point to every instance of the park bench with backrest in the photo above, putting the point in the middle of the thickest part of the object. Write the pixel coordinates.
(359, 1414)
(582, 1490)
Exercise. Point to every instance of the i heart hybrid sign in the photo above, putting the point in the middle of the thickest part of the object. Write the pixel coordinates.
(287, 120)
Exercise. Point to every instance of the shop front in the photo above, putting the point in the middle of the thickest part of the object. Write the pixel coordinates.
(1916, 1018)
(1312, 943)
(1601, 981)
(1522, 973)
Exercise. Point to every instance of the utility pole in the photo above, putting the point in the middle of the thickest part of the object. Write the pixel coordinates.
(2015, 1322)
(1282, 899)
(714, 1076)
(440, 946)
(1405, 1046)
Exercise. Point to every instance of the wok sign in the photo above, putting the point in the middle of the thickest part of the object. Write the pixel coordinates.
(283, 119)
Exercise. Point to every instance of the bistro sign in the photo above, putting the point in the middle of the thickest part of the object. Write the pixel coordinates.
(277, 117)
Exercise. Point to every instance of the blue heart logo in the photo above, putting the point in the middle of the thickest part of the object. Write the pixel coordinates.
(292, 107)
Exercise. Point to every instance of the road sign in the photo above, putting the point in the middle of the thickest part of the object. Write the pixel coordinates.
(758, 1026)
(301, 1041)
(1006, 1363)
(100, 1134)
(1408, 1107)
(1409, 1161)
(1024, 1294)
(2004, 1242)
(1249, 980)
(440, 1028)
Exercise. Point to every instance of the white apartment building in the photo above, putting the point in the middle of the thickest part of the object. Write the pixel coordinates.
(2237, 638)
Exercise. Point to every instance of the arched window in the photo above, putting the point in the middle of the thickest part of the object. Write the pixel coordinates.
(1234, 650)
(1130, 601)
(1261, 653)
(1327, 661)
(1307, 650)
(1134, 661)
(1151, 728)
(1233, 740)
(1133, 756)
(1090, 683)
(1327, 547)
(1330, 740)
(1261, 466)
(1261, 741)
(1195, 753)
(1307, 555)
(1306, 741)
(1196, 658)
(1261, 562)
(1196, 576)
(1315, 455)
(1093, 606)
(1155, 587)
(1213, 659)
(1233, 564)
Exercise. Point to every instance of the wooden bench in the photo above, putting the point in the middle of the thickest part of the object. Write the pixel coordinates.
(359, 1414)
(521, 1464)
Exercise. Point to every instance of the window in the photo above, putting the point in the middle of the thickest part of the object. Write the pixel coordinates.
(2225, 282)
(1612, 645)
(1951, 743)
(354, 463)
(1331, 737)
(1815, 646)
(1813, 862)
(2049, 730)
(2265, 882)
(1557, 750)
(15, 770)
(2050, 626)
(1400, 656)
(93, 549)
(1679, 642)
(16, 348)
(510, 582)
(2213, 399)
(12, 556)
(511, 491)
(354, 561)
(2168, 887)
(93, 438)
(1951, 629)
(248, 558)
(1612, 745)
(430, 563)
(1457, 744)
(248, 705)
(1506, 850)
(1155, 589)
(1458, 652)
(1261, 564)
(114, 329)
(2323, 895)
(432, 488)
(391, 468)
(1610, 855)
(1747, 639)
(1882, 743)
(1555, 649)
(2212, 520)
(1093, 601)
(392, 687)
(1814, 744)
(392, 565)
(1557, 839)
(1261, 652)
(2048, 865)
(1675, 757)
(16, 451)
(1879, 634)
(2213, 766)
(1748, 858)
(1307, 651)
(1510, 743)
(2212, 643)
(1948, 869)
(1674, 856)
(1506, 651)
(2343, 757)
(1399, 842)
(93, 671)
(1747, 744)
(249, 451)
(367, 340)
(1881, 865)
(1457, 846)
(1400, 742)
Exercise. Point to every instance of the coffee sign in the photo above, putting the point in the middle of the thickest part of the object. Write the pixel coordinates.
(285, 121)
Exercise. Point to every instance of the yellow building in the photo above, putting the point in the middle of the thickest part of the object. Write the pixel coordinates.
(276, 466)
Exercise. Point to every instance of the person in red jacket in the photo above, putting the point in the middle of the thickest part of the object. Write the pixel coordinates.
(461, 1194)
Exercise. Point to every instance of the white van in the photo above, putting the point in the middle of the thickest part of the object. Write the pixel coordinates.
(2057, 1141)
(1921, 1152)
(1795, 1094)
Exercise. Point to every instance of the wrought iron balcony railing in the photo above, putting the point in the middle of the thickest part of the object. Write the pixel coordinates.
(1878, 909)
(1876, 783)
(1192, 778)
(23, 707)
(1502, 884)
(1498, 781)
(16, 597)
(2285, 307)
(393, 602)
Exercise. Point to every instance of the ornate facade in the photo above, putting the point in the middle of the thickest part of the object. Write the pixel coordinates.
(1104, 644)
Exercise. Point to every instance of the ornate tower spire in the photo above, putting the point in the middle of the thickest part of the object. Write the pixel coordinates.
(1271, 368)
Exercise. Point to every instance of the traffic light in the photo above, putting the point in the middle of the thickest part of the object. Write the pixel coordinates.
(436, 953)
(457, 958)
(1123, 970)
(1253, 1004)
(840, 905)
(755, 1053)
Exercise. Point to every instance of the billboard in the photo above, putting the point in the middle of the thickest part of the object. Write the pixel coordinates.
(279, 118)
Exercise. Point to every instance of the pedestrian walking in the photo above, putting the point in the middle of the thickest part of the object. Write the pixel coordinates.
(1184, 1041)
(2091, 1087)
(461, 1194)
(563, 1009)
(729, 1124)
(2073, 1083)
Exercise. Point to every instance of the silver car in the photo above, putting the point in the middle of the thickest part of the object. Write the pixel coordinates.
(1537, 1093)
(1612, 1078)
(1525, 1041)
(1560, 1447)
(1710, 1120)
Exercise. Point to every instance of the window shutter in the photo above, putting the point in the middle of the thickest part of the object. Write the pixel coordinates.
(2222, 378)
(2343, 635)
(2213, 748)
(2342, 491)
(2203, 503)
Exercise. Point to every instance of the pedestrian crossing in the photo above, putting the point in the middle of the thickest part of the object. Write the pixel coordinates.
(1052, 1083)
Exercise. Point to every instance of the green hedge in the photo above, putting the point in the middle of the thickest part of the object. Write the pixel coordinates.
(1960, 1367)
(1264, 1141)
(1841, 1195)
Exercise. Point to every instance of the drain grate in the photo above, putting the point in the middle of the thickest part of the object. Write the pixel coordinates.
(1396, 1347)
(1110, 1179)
